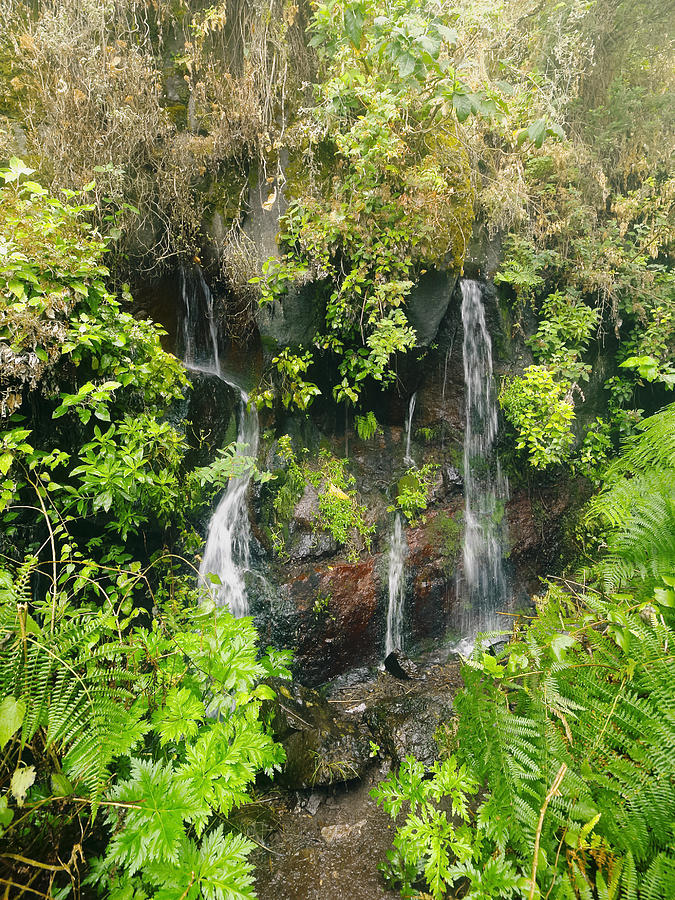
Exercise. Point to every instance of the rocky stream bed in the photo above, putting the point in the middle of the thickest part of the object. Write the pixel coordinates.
(323, 834)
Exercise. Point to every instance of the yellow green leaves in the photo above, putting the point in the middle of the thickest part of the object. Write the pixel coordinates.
(12, 712)
(180, 715)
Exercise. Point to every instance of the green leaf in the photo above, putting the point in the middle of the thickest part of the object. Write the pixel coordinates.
(17, 288)
(354, 24)
(6, 814)
(448, 34)
(180, 717)
(12, 713)
(462, 105)
(61, 786)
(665, 597)
(560, 643)
(537, 132)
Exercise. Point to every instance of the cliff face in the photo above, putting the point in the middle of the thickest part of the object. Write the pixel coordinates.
(305, 590)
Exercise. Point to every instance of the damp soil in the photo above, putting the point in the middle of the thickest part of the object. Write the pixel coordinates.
(325, 844)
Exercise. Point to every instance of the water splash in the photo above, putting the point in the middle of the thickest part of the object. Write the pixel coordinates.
(398, 551)
(227, 551)
(485, 488)
(409, 461)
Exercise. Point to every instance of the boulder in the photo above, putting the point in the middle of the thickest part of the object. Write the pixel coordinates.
(322, 746)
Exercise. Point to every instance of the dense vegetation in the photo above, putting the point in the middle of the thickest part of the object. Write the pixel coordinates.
(130, 716)
(406, 136)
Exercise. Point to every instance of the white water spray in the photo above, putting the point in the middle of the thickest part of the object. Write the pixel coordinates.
(485, 488)
(199, 332)
(398, 552)
(227, 551)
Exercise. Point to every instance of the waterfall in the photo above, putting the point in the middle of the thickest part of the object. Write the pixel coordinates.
(198, 337)
(409, 461)
(227, 551)
(485, 489)
(398, 551)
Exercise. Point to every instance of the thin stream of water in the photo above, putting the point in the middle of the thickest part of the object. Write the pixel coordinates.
(409, 461)
(226, 557)
(398, 551)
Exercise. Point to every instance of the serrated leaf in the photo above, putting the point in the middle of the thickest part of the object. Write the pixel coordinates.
(6, 814)
(536, 132)
(560, 643)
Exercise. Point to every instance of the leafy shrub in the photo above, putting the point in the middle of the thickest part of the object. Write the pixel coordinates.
(339, 509)
(147, 732)
(413, 490)
(536, 405)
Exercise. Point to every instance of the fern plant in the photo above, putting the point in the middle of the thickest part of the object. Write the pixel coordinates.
(635, 511)
(570, 736)
(148, 734)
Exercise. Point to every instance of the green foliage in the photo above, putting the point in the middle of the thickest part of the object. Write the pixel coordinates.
(56, 306)
(399, 202)
(565, 329)
(339, 510)
(129, 706)
(635, 510)
(413, 490)
(157, 723)
(448, 538)
(569, 730)
(429, 845)
(288, 382)
(367, 426)
(537, 407)
(568, 734)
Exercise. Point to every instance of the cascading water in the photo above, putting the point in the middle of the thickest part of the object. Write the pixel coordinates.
(227, 551)
(398, 552)
(199, 332)
(485, 488)
(409, 461)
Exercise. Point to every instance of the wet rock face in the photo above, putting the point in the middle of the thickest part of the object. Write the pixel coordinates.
(337, 738)
(329, 615)
(322, 747)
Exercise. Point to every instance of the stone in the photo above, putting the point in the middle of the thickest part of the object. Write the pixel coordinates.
(399, 665)
(332, 833)
(428, 302)
(322, 746)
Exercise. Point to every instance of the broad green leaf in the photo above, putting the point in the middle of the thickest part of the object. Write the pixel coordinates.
(12, 713)
(354, 24)
(536, 132)
(61, 786)
(6, 814)
(462, 105)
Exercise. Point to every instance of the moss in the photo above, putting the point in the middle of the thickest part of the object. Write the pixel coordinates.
(177, 113)
(447, 533)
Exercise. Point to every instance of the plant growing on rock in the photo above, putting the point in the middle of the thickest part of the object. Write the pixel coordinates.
(413, 491)
(339, 510)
